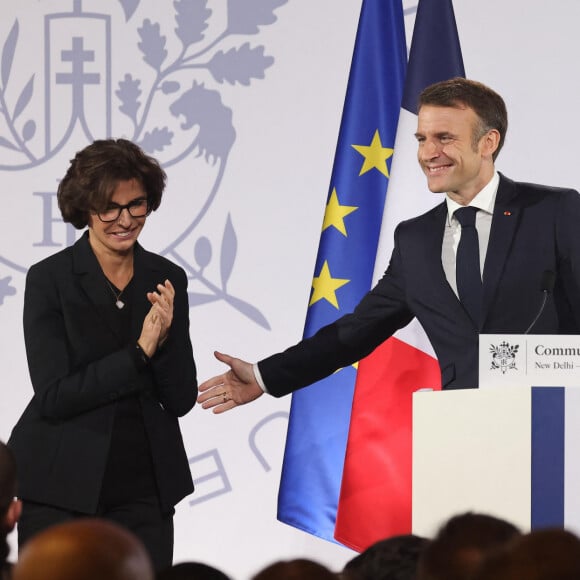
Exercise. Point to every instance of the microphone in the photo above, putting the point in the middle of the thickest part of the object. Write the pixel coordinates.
(547, 284)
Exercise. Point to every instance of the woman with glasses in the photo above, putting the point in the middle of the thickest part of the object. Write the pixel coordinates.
(106, 327)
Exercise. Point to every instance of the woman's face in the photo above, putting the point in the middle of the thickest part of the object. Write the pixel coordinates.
(118, 237)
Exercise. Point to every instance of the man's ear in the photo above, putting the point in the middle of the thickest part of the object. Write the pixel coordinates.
(12, 514)
(491, 141)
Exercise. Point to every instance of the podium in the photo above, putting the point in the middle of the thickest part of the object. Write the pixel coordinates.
(510, 448)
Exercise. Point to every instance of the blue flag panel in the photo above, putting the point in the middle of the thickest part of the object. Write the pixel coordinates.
(319, 416)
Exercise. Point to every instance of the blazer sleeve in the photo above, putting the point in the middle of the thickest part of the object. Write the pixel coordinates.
(380, 313)
(173, 364)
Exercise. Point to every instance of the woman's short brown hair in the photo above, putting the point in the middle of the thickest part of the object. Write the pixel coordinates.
(95, 172)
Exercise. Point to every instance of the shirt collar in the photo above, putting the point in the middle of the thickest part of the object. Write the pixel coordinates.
(484, 200)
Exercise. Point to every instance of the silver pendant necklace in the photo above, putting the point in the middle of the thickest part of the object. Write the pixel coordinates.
(118, 302)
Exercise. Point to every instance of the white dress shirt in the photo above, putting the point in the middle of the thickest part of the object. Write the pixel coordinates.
(484, 201)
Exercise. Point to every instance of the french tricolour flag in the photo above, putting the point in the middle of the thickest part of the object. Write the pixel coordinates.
(375, 499)
(346, 474)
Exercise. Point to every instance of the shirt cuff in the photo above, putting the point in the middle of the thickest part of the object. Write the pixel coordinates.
(258, 377)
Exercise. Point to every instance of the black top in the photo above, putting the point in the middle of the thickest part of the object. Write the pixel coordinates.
(129, 470)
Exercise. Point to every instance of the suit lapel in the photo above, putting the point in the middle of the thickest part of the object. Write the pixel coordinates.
(433, 241)
(506, 216)
(93, 282)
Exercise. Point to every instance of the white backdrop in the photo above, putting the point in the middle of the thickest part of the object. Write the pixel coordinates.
(267, 184)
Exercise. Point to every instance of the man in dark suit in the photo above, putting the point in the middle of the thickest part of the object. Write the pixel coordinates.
(475, 263)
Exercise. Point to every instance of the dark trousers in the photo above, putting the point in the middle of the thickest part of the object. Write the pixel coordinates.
(143, 517)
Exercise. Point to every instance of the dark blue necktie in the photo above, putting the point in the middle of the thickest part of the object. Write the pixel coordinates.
(467, 268)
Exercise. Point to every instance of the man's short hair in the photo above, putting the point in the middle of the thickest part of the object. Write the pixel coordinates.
(461, 544)
(87, 548)
(546, 554)
(302, 568)
(393, 558)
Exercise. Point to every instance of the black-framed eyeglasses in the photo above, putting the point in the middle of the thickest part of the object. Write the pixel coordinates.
(136, 208)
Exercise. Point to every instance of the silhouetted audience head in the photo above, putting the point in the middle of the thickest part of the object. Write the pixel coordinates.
(10, 507)
(87, 549)
(540, 555)
(299, 569)
(191, 571)
(460, 545)
(389, 559)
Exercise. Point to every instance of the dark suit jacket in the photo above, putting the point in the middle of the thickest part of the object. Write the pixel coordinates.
(80, 368)
(534, 229)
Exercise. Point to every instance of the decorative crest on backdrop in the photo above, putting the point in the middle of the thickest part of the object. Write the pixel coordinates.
(171, 106)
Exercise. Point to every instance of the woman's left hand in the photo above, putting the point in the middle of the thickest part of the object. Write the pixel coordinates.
(162, 305)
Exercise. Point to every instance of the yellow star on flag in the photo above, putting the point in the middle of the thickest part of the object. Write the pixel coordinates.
(375, 155)
(354, 365)
(324, 286)
(335, 213)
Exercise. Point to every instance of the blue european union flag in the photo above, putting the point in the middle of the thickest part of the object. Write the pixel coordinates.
(320, 414)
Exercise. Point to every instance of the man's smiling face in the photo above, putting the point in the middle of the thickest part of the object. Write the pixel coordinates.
(447, 153)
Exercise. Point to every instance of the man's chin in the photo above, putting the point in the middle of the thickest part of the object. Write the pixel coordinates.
(435, 188)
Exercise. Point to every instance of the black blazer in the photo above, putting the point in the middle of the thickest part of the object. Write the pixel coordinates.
(80, 368)
(534, 229)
